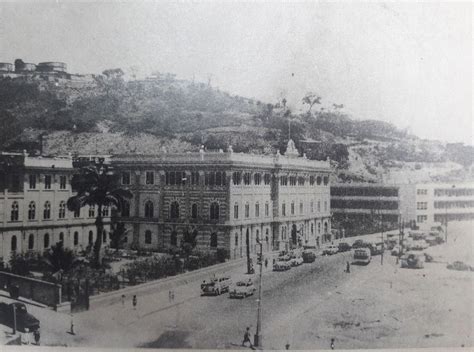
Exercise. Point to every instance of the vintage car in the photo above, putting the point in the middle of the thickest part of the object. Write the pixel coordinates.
(216, 286)
(419, 245)
(309, 256)
(330, 250)
(242, 289)
(344, 247)
(24, 320)
(296, 261)
(359, 244)
(281, 265)
(413, 260)
(396, 250)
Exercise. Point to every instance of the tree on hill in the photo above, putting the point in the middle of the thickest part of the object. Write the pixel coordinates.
(311, 99)
(97, 186)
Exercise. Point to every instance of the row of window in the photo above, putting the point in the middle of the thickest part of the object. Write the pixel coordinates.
(456, 204)
(454, 192)
(46, 240)
(422, 218)
(214, 210)
(421, 205)
(421, 192)
(218, 178)
(174, 238)
(364, 191)
(33, 178)
(14, 214)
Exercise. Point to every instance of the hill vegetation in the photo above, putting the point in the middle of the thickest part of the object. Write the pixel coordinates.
(162, 114)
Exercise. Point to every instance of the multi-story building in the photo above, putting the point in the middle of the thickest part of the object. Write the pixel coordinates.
(226, 200)
(433, 203)
(363, 207)
(33, 211)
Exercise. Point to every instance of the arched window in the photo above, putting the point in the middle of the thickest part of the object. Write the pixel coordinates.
(149, 209)
(236, 178)
(257, 210)
(218, 178)
(174, 210)
(194, 211)
(76, 238)
(214, 240)
(319, 227)
(91, 237)
(47, 210)
(92, 211)
(174, 238)
(266, 235)
(325, 227)
(125, 211)
(247, 210)
(236, 211)
(13, 244)
(318, 180)
(105, 211)
(31, 241)
(32, 211)
(104, 236)
(62, 210)
(257, 236)
(312, 228)
(292, 208)
(257, 178)
(301, 207)
(326, 180)
(283, 209)
(61, 237)
(214, 211)
(14, 212)
(46, 240)
(236, 239)
(148, 237)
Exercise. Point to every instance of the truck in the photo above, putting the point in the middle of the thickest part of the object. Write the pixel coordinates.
(362, 256)
(216, 286)
(24, 320)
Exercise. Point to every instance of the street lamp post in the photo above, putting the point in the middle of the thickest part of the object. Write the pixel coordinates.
(258, 337)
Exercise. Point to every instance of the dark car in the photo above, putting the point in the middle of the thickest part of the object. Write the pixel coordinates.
(24, 320)
(309, 256)
(359, 244)
(344, 247)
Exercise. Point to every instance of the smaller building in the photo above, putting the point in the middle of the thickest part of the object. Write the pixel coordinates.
(6, 67)
(51, 67)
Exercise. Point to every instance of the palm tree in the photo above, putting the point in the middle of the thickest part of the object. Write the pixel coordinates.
(97, 186)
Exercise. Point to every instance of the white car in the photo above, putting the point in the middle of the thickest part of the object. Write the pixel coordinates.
(296, 261)
(242, 289)
(330, 250)
(281, 266)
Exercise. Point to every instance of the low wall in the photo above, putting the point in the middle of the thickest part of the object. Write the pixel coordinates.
(36, 290)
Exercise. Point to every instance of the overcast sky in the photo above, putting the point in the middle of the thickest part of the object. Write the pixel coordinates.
(410, 64)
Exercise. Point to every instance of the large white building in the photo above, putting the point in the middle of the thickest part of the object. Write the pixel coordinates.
(226, 199)
(33, 211)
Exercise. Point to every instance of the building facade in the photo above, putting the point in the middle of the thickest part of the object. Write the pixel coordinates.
(33, 211)
(433, 203)
(225, 200)
(364, 207)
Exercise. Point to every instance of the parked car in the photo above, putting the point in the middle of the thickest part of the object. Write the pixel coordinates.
(461, 266)
(24, 320)
(281, 265)
(242, 289)
(330, 250)
(344, 247)
(359, 244)
(296, 261)
(419, 245)
(413, 260)
(376, 248)
(396, 250)
(216, 286)
(309, 256)
(361, 256)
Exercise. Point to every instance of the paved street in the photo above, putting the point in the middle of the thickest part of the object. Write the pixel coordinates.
(372, 307)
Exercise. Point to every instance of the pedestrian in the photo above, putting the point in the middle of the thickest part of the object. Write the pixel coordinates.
(134, 301)
(247, 338)
(169, 296)
(36, 335)
(172, 296)
(348, 268)
(266, 262)
(332, 344)
(123, 300)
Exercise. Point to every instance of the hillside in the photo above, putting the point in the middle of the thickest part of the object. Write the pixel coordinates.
(108, 114)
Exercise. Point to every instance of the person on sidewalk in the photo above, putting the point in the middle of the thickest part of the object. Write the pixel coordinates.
(247, 338)
(134, 301)
(266, 262)
(123, 300)
(348, 267)
(37, 336)
(332, 344)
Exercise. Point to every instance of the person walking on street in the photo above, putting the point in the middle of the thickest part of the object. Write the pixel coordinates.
(332, 344)
(247, 338)
(134, 301)
(266, 262)
(348, 267)
(123, 300)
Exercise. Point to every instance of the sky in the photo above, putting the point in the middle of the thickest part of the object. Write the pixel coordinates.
(405, 63)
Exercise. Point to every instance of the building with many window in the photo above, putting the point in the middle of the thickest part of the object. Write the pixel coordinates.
(33, 211)
(225, 200)
(433, 203)
(360, 208)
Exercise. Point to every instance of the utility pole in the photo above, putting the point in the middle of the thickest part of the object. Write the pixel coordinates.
(247, 242)
(383, 244)
(258, 338)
